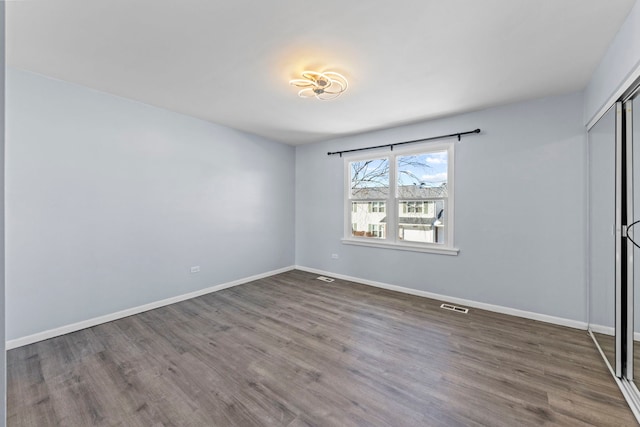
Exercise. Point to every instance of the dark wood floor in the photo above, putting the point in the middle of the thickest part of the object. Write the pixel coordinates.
(293, 351)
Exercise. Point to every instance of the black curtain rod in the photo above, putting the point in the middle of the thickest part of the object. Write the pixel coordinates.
(458, 134)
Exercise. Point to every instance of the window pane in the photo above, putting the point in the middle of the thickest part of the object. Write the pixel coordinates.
(421, 221)
(410, 206)
(370, 179)
(376, 206)
(367, 223)
(423, 175)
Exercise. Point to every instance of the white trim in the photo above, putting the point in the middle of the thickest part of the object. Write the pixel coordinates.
(610, 330)
(634, 394)
(618, 241)
(604, 330)
(403, 247)
(628, 139)
(40, 336)
(624, 86)
(450, 208)
(459, 301)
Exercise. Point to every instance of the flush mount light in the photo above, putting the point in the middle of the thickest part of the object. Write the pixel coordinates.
(324, 86)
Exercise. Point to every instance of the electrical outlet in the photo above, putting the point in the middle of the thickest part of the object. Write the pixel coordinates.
(335, 256)
(195, 269)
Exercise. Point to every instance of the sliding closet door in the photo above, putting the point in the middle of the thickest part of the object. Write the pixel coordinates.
(632, 115)
(602, 233)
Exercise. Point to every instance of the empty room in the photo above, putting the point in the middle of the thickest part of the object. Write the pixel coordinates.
(295, 213)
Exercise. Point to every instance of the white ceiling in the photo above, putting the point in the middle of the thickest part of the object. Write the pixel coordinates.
(230, 61)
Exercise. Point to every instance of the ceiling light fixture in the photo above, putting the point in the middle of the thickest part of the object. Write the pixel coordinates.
(324, 86)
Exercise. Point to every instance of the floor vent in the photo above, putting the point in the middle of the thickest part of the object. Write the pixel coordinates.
(325, 279)
(455, 308)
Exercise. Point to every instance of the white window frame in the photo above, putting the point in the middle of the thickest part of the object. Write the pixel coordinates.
(391, 240)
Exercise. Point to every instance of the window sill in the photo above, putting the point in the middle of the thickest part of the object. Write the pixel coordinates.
(402, 247)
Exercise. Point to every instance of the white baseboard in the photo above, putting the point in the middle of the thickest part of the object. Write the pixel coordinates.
(40, 336)
(481, 305)
(609, 330)
(605, 330)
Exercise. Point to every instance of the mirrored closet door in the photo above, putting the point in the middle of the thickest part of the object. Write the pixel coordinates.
(632, 130)
(602, 220)
(630, 260)
(614, 241)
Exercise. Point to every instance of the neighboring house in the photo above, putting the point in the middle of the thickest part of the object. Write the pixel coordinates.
(420, 211)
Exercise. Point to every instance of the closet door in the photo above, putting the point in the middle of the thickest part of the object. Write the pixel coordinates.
(602, 234)
(632, 129)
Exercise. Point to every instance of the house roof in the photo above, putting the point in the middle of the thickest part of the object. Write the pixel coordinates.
(405, 191)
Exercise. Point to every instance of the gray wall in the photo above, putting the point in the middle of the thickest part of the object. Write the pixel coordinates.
(619, 62)
(519, 210)
(109, 202)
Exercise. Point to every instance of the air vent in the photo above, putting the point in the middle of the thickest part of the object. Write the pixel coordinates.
(325, 279)
(455, 308)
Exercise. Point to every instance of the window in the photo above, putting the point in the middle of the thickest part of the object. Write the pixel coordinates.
(376, 230)
(412, 207)
(376, 206)
(417, 184)
(368, 196)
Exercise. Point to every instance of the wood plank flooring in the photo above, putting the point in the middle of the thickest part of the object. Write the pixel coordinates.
(293, 351)
(608, 345)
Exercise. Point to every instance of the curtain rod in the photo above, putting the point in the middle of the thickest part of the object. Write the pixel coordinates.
(458, 134)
